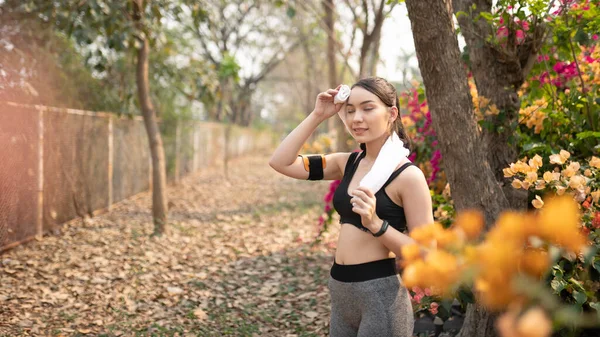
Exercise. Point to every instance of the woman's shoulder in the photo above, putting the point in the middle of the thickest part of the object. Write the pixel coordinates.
(411, 176)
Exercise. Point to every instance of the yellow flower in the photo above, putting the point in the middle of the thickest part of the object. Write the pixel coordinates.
(587, 173)
(568, 172)
(560, 190)
(560, 158)
(493, 110)
(508, 172)
(559, 223)
(575, 166)
(470, 222)
(577, 182)
(517, 184)
(596, 195)
(548, 176)
(540, 185)
(534, 323)
(483, 102)
(531, 177)
(537, 202)
(536, 162)
(595, 162)
(521, 166)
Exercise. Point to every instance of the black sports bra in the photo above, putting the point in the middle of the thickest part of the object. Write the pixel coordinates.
(385, 208)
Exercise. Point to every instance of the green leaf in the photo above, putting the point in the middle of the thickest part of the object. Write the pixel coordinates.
(487, 15)
(588, 258)
(596, 263)
(531, 146)
(588, 134)
(291, 12)
(580, 297)
(466, 296)
(595, 305)
(558, 285)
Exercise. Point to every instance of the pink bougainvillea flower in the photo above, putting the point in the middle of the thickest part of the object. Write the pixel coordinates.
(433, 308)
(520, 36)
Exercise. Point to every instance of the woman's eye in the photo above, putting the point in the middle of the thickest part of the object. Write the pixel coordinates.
(368, 109)
(350, 111)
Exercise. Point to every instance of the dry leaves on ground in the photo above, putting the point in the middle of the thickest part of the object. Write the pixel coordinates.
(237, 261)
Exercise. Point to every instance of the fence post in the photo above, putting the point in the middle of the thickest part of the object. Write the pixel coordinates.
(40, 188)
(110, 161)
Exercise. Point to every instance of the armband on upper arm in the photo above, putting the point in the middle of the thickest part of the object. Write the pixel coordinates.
(314, 165)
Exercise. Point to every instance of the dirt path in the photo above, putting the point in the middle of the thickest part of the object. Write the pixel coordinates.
(237, 262)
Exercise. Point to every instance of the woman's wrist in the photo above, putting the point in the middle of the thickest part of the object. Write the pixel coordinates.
(375, 225)
(318, 118)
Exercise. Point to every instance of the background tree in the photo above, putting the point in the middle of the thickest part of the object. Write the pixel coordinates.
(452, 114)
(108, 29)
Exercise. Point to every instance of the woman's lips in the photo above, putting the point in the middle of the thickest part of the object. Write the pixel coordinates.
(359, 131)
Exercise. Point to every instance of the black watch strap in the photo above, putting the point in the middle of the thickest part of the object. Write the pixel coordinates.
(384, 227)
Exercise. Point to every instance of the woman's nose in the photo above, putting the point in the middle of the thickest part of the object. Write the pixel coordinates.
(357, 116)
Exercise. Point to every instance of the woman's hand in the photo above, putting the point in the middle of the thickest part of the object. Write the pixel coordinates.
(324, 107)
(363, 203)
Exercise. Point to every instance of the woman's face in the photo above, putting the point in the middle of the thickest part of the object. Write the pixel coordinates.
(366, 117)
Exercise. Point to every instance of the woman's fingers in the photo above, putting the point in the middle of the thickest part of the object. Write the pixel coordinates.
(367, 191)
(360, 193)
(332, 92)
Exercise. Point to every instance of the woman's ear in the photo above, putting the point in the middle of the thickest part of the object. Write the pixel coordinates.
(393, 114)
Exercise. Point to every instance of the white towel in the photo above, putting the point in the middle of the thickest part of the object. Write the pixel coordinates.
(391, 154)
(342, 94)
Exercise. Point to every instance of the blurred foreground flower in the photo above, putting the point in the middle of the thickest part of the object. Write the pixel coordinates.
(516, 248)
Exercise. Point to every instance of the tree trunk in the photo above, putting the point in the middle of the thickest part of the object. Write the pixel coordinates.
(159, 176)
(334, 125)
(499, 72)
(472, 180)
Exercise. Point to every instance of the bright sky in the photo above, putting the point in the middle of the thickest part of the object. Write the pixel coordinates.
(396, 40)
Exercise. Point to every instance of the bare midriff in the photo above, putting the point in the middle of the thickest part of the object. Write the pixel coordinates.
(355, 246)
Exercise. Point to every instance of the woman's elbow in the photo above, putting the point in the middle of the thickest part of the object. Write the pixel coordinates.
(274, 164)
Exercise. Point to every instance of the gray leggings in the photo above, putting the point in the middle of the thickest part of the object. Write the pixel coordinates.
(377, 307)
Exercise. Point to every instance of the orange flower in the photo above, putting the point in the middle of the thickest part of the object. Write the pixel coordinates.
(534, 323)
(410, 253)
(534, 262)
(470, 222)
(511, 226)
(559, 223)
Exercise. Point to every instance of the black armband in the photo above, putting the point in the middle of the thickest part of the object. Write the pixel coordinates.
(314, 165)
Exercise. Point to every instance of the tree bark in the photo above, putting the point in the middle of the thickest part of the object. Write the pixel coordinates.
(333, 124)
(159, 176)
(499, 72)
(472, 180)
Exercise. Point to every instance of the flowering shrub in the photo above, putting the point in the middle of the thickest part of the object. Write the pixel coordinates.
(507, 267)
(562, 176)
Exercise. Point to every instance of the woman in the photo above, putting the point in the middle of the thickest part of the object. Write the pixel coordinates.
(367, 295)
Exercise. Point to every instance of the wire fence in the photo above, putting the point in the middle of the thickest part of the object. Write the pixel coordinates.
(60, 164)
